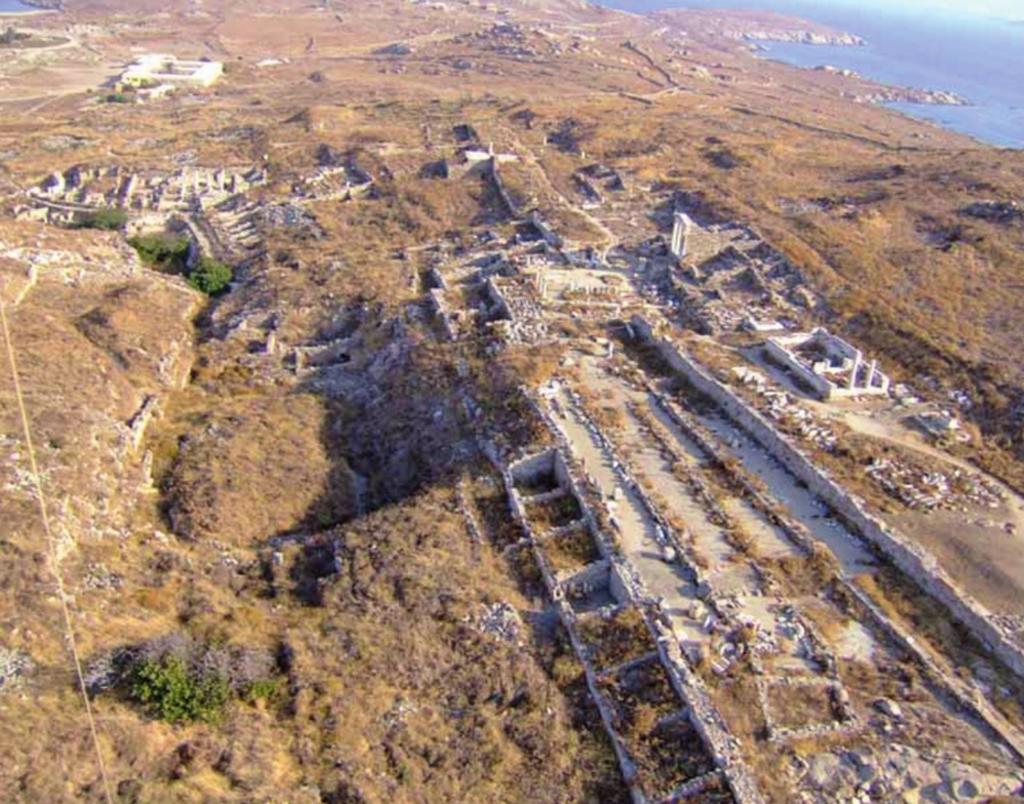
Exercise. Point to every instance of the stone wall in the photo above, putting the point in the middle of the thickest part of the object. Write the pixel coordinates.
(551, 237)
(527, 469)
(440, 308)
(917, 563)
(777, 353)
(497, 298)
(499, 187)
(627, 588)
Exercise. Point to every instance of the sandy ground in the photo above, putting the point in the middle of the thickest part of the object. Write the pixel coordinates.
(51, 82)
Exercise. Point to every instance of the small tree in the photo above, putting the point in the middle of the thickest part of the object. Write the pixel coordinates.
(211, 276)
(164, 252)
(170, 692)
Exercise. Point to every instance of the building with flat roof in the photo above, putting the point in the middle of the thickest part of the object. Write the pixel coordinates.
(160, 68)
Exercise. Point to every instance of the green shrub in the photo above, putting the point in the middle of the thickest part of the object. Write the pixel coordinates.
(164, 252)
(170, 692)
(110, 218)
(267, 689)
(211, 276)
(118, 97)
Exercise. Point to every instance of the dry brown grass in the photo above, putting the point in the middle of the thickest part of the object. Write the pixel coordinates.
(798, 706)
(803, 575)
(642, 696)
(943, 637)
(620, 639)
(387, 630)
(571, 551)
(556, 513)
(258, 467)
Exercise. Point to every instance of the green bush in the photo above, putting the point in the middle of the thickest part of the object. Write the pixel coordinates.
(118, 97)
(267, 689)
(211, 276)
(110, 218)
(170, 692)
(164, 252)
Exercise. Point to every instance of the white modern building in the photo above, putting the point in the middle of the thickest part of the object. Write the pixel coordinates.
(159, 68)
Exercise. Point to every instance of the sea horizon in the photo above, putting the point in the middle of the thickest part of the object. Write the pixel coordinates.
(979, 57)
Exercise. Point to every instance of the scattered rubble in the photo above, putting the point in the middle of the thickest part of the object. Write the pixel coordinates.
(14, 666)
(501, 621)
(930, 489)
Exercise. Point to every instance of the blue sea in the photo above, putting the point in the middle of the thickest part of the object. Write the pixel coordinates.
(979, 57)
(13, 7)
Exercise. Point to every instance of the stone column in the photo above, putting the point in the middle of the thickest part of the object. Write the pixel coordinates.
(680, 234)
(858, 358)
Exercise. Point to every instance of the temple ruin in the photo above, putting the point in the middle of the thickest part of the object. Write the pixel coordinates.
(832, 367)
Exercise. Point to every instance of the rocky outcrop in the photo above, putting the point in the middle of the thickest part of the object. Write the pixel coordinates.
(45, 5)
(927, 97)
(1004, 212)
(800, 36)
(98, 340)
(884, 94)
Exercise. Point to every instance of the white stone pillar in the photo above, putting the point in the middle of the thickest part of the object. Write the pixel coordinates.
(681, 224)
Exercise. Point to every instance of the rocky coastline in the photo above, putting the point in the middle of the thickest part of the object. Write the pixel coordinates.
(926, 97)
(799, 37)
(885, 94)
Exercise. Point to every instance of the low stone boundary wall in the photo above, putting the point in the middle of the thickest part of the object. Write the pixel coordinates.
(967, 698)
(462, 501)
(793, 531)
(626, 587)
(569, 622)
(499, 187)
(959, 691)
(784, 358)
(910, 558)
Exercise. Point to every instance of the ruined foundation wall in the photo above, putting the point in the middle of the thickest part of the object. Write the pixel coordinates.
(785, 358)
(498, 298)
(440, 308)
(627, 588)
(499, 187)
(917, 563)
